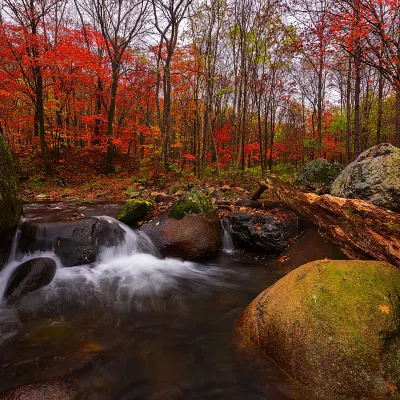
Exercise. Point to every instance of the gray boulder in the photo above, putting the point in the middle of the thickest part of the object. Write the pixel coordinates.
(30, 276)
(373, 176)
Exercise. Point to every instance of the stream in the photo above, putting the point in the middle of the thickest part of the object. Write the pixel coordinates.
(135, 326)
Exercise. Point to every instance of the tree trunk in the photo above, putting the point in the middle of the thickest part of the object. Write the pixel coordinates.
(360, 228)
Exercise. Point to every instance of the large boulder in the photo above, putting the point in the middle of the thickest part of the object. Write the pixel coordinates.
(30, 276)
(317, 176)
(334, 326)
(76, 241)
(10, 201)
(190, 230)
(260, 232)
(56, 388)
(373, 176)
(133, 211)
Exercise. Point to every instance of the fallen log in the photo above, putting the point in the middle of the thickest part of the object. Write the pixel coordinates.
(362, 229)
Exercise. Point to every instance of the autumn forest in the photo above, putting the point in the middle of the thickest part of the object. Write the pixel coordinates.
(194, 86)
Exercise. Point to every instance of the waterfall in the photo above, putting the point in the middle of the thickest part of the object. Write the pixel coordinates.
(227, 243)
(121, 273)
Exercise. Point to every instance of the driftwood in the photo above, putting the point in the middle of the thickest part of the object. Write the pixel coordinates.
(362, 229)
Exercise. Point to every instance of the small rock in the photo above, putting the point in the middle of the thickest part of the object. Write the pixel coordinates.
(225, 188)
(222, 203)
(154, 194)
(56, 388)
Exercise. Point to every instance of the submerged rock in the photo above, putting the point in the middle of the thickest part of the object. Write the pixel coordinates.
(373, 176)
(133, 211)
(10, 201)
(260, 232)
(317, 176)
(334, 326)
(30, 276)
(190, 230)
(75, 242)
(57, 388)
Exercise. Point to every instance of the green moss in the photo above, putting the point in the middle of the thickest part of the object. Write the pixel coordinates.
(194, 202)
(10, 200)
(133, 211)
(344, 300)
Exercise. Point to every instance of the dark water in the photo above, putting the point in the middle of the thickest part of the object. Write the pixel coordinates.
(137, 327)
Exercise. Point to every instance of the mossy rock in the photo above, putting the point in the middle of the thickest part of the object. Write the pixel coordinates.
(10, 200)
(317, 175)
(334, 326)
(193, 202)
(133, 211)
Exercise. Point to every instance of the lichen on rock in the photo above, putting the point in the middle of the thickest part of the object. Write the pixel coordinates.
(330, 322)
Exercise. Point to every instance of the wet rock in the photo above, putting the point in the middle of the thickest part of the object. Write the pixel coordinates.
(10, 201)
(57, 388)
(260, 232)
(249, 203)
(317, 176)
(75, 242)
(373, 176)
(30, 276)
(134, 211)
(189, 230)
(333, 326)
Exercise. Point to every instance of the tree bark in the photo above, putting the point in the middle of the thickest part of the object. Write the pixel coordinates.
(362, 229)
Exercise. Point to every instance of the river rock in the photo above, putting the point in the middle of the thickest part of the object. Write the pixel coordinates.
(10, 201)
(317, 176)
(333, 326)
(57, 388)
(75, 242)
(373, 176)
(189, 230)
(134, 211)
(30, 276)
(260, 232)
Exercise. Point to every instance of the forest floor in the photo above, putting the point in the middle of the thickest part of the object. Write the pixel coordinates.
(79, 177)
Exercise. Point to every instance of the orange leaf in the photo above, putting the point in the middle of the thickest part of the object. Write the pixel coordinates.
(390, 386)
(283, 259)
(325, 260)
(384, 308)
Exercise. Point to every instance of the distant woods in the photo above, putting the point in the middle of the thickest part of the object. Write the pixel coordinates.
(200, 85)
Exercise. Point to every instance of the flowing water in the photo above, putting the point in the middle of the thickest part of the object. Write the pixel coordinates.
(135, 326)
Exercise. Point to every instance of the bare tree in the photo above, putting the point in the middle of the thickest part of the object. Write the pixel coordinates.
(168, 15)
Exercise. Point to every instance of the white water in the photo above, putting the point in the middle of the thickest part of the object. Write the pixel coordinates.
(227, 243)
(131, 270)
(123, 277)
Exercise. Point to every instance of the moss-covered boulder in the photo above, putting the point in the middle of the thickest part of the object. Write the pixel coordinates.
(134, 211)
(10, 200)
(190, 230)
(333, 326)
(193, 202)
(317, 176)
(373, 176)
